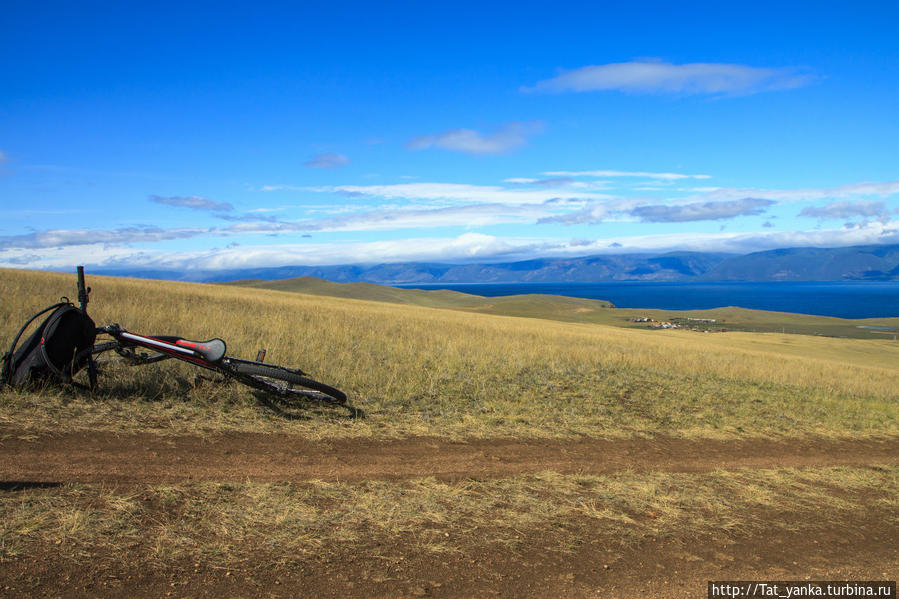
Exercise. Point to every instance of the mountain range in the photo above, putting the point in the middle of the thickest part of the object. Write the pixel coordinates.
(857, 263)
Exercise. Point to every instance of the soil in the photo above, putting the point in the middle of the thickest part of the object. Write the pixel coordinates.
(829, 547)
(111, 458)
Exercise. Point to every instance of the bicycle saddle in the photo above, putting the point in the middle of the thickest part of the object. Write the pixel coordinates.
(212, 350)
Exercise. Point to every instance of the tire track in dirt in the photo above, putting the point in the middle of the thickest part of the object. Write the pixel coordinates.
(103, 457)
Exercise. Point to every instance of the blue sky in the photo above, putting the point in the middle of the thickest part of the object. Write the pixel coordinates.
(224, 135)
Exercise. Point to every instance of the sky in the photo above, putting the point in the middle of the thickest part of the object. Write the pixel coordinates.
(228, 135)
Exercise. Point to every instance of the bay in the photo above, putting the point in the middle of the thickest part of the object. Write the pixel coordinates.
(843, 299)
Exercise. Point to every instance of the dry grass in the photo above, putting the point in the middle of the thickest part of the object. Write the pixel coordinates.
(224, 524)
(571, 309)
(417, 370)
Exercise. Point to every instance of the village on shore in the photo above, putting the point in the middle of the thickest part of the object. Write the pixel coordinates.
(705, 325)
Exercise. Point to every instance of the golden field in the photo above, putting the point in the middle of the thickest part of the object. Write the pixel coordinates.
(418, 370)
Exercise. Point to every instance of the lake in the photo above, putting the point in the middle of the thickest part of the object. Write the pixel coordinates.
(853, 299)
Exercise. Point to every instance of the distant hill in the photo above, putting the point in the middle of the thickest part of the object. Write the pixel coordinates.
(858, 263)
(862, 263)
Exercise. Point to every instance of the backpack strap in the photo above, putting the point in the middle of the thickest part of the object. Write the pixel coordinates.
(6, 373)
(49, 328)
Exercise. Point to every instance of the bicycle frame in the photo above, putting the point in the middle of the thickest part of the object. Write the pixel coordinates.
(171, 347)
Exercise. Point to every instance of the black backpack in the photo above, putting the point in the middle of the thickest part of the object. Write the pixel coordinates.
(54, 350)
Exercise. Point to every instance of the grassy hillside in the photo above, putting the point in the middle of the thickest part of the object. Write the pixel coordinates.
(419, 370)
(571, 309)
(439, 298)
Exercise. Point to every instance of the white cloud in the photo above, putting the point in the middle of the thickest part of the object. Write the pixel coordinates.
(845, 209)
(510, 136)
(468, 247)
(469, 215)
(434, 205)
(458, 192)
(327, 161)
(465, 247)
(592, 214)
(65, 257)
(697, 211)
(282, 188)
(663, 77)
(477, 215)
(629, 209)
(640, 174)
(83, 237)
(880, 189)
(193, 202)
(866, 234)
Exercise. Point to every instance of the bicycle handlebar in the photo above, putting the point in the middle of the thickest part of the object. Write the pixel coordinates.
(83, 298)
(83, 292)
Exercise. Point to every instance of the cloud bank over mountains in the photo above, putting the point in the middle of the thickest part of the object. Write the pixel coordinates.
(561, 207)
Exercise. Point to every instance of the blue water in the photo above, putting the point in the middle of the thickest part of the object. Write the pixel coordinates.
(856, 299)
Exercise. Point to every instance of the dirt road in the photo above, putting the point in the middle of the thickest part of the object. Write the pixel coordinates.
(842, 545)
(145, 458)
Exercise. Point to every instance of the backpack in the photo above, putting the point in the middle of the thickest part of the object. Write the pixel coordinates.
(54, 350)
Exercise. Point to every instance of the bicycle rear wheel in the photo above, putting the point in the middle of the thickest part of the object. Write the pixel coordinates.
(285, 382)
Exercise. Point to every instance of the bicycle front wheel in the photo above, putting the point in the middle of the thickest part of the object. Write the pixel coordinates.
(285, 382)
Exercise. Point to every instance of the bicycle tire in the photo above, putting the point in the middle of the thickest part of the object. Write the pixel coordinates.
(100, 348)
(271, 378)
(95, 350)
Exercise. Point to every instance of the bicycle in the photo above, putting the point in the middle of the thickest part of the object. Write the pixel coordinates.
(279, 381)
